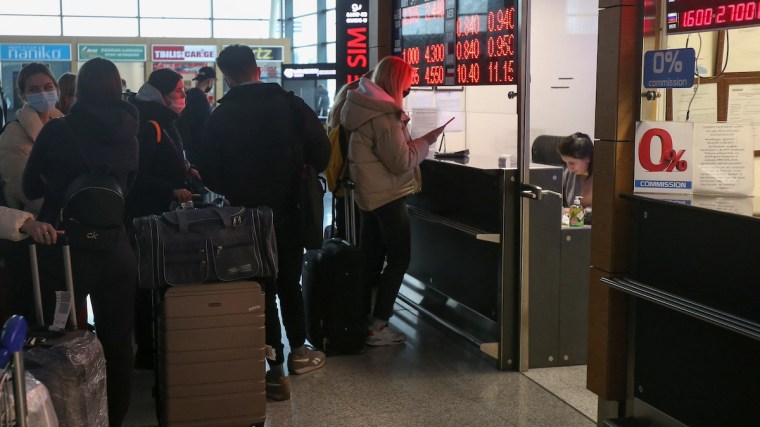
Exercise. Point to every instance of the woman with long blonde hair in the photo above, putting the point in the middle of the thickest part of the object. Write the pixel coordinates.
(384, 164)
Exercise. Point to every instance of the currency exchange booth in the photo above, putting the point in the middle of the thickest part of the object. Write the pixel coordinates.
(485, 208)
(674, 295)
(14, 56)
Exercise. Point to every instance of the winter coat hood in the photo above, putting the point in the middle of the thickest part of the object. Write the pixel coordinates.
(365, 103)
(148, 92)
(113, 121)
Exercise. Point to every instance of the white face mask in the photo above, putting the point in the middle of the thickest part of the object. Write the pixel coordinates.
(42, 102)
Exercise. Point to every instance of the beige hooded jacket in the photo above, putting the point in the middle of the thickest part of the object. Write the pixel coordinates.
(383, 159)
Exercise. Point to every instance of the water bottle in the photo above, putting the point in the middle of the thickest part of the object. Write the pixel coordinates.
(576, 213)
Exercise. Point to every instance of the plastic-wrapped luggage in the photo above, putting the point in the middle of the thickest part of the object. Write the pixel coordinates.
(40, 411)
(20, 393)
(70, 363)
(74, 371)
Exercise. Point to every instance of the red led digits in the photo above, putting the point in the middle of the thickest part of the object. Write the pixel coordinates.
(485, 54)
(703, 15)
(434, 10)
(473, 42)
(411, 55)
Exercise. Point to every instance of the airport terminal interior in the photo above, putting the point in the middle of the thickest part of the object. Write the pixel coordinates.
(516, 312)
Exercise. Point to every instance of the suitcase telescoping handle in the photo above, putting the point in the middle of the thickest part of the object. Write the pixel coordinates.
(64, 242)
(350, 211)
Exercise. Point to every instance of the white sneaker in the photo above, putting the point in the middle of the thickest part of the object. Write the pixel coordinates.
(384, 336)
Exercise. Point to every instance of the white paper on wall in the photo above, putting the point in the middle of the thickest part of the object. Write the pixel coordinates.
(423, 121)
(723, 159)
(744, 107)
(702, 109)
(449, 100)
(421, 100)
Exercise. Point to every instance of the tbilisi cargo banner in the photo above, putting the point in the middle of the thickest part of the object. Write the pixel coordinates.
(694, 158)
(352, 40)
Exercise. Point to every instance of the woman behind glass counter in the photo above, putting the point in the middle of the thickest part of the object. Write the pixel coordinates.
(577, 151)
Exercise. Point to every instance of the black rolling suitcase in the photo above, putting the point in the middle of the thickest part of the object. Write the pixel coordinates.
(334, 291)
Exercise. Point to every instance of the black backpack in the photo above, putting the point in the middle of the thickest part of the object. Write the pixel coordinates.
(93, 207)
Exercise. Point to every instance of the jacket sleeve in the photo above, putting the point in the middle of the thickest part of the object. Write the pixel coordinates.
(33, 180)
(154, 193)
(316, 144)
(10, 221)
(393, 149)
(210, 162)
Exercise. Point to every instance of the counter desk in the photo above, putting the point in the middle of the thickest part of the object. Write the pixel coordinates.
(694, 343)
(464, 272)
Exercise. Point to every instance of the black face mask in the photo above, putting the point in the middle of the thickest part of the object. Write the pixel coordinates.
(406, 92)
(207, 90)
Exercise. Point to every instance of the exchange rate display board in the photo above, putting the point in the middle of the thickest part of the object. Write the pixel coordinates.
(464, 42)
(689, 16)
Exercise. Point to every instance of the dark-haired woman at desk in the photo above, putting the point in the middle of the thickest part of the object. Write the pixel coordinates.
(577, 151)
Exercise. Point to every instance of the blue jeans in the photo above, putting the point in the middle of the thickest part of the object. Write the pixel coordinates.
(386, 240)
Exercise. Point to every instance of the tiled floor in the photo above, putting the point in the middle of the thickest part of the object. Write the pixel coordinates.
(435, 379)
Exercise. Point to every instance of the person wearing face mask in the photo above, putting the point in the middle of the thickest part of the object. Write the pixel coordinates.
(196, 112)
(39, 90)
(161, 179)
(384, 164)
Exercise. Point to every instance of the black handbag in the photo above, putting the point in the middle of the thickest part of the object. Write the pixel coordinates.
(193, 246)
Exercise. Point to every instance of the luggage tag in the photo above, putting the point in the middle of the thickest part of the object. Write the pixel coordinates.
(62, 309)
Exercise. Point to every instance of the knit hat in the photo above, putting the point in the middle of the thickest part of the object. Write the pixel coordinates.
(165, 80)
(205, 73)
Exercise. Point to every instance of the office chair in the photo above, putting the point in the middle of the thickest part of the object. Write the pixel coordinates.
(544, 150)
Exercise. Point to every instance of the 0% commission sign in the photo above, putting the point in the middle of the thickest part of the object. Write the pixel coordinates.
(671, 68)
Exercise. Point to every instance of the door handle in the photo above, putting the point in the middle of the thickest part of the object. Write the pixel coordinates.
(534, 192)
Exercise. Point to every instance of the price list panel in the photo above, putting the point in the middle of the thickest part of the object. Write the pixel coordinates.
(486, 42)
(458, 42)
(422, 40)
(686, 16)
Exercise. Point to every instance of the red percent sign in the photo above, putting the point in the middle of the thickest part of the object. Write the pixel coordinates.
(669, 158)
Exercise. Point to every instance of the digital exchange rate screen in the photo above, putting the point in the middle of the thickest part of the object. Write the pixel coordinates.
(422, 35)
(465, 42)
(688, 16)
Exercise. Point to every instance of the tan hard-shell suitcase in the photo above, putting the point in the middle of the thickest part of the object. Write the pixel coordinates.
(210, 355)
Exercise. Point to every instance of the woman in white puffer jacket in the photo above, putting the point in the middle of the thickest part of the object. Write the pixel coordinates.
(39, 90)
(384, 164)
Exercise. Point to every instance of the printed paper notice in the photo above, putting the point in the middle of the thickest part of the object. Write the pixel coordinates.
(449, 100)
(702, 109)
(723, 159)
(744, 107)
(423, 121)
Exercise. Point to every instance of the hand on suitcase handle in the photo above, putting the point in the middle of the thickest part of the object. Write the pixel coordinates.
(41, 232)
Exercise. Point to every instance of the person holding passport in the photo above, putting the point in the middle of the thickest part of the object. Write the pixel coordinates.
(384, 164)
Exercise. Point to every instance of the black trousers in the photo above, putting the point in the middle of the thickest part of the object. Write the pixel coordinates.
(386, 243)
(288, 288)
(109, 279)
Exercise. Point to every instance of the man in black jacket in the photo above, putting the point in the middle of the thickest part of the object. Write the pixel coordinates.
(196, 112)
(249, 155)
